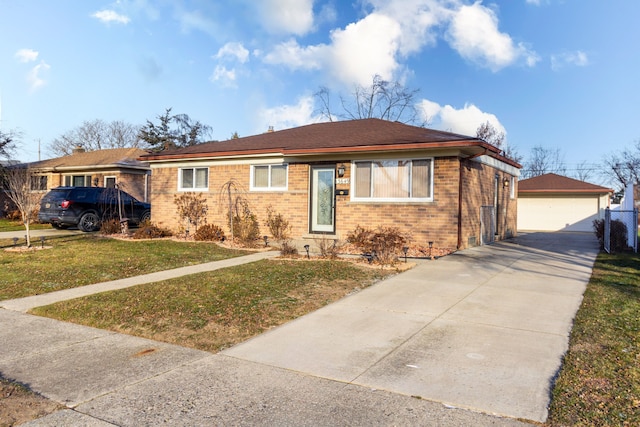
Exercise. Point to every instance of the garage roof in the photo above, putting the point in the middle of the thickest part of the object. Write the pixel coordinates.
(553, 183)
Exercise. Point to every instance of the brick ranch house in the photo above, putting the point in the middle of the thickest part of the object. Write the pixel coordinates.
(327, 178)
(98, 168)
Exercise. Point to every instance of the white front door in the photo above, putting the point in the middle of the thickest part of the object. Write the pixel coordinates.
(323, 199)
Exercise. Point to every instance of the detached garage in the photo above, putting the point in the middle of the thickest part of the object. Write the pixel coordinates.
(553, 202)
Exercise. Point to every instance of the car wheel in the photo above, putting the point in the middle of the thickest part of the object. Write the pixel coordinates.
(88, 222)
(146, 216)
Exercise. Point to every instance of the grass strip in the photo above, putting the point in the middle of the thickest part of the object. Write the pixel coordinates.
(599, 384)
(215, 310)
(82, 260)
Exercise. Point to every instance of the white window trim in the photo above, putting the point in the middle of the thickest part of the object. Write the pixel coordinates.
(194, 188)
(106, 177)
(269, 187)
(391, 199)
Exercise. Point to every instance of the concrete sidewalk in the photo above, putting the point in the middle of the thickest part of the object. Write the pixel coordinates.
(484, 329)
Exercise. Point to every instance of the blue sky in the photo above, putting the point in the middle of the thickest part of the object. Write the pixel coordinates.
(556, 73)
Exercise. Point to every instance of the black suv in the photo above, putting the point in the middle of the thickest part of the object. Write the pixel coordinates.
(87, 207)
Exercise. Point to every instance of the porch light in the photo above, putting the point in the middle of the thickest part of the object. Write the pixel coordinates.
(505, 183)
(341, 170)
(405, 249)
(306, 248)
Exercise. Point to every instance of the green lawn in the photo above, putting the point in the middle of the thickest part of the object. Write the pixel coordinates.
(82, 260)
(214, 310)
(10, 225)
(599, 384)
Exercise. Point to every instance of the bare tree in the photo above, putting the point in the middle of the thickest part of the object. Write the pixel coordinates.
(584, 171)
(488, 133)
(19, 185)
(544, 160)
(8, 142)
(625, 165)
(97, 135)
(382, 99)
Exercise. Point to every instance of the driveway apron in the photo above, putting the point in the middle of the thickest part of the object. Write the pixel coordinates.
(482, 329)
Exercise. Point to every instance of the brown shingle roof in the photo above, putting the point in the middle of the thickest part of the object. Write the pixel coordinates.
(118, 157)
(332, 137)
(553, 183)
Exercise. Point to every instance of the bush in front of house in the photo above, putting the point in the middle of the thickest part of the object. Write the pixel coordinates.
(148, 230)
(618, 234)
(245, 226)
(384, 244)
(210, 233)
(110, 226)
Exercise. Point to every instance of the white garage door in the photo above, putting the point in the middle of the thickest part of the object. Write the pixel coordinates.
(557, 213)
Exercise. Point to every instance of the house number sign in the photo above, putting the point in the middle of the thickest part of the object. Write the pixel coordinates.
(342, 180)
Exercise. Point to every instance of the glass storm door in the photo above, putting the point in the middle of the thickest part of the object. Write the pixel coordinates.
(323, 199)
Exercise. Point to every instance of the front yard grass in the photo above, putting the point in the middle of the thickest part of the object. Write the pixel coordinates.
(82, 260)
(214, 310)
(599, 384)
(13, 225)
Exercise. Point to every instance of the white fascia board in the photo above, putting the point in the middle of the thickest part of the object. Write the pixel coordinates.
(270, 160)
(498, 164)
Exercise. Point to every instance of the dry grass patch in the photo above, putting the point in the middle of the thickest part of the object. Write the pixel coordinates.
(215, 310)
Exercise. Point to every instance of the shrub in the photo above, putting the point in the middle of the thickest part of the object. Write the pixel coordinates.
(618, 231)
(245, 227)
(148, 230)
(383, 244)
(110, 226)
(278, 225)
(209, 232)
(287, 249)
(192, 207)
(329, 248)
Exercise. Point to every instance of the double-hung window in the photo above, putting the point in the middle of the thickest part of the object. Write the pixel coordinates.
(393, 180)
(269, 177)
(193, 179)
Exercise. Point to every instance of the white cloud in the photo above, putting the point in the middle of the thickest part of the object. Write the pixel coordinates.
(287, 16)
(535, 2)
(464, 121)
(108, 16)
(474, 33)
(577, 58)
(35, 77)
(365, 48)
(223, 76)
(234, 51)
(288, 116)
(294, 56)
(26, 55)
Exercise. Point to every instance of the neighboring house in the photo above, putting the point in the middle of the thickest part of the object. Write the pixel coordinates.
(99, 168)
(327, 178)
(553, 202)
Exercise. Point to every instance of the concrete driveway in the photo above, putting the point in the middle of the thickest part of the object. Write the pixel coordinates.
(483, 329)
